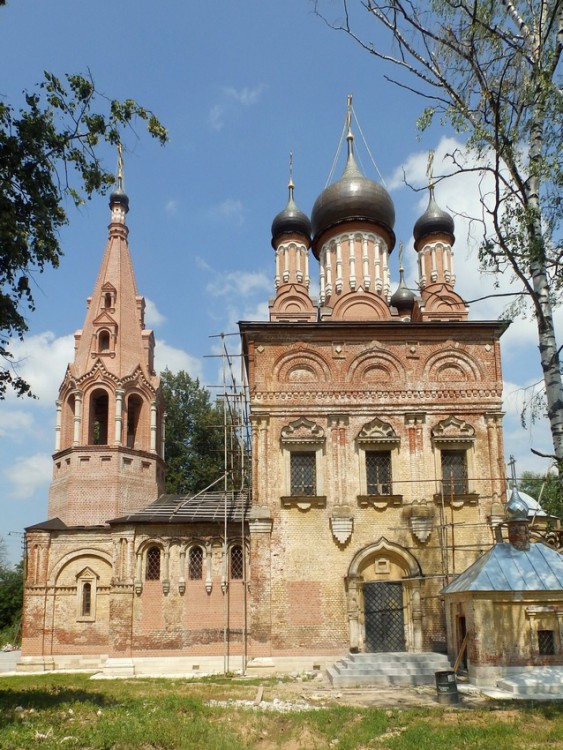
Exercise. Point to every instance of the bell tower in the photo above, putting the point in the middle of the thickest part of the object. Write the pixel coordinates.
(108, 458)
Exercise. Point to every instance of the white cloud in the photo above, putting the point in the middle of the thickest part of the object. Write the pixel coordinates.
(28, 474)
(167, 356)
(245, 96)
(240, 283)
(203, 264)
(17, 424)
(171, 208)
(229, 210)
(153, 318)
(42, 360)
(231, 99)
(216, 117)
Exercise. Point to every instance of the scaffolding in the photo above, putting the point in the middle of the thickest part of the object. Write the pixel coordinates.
(233, 395)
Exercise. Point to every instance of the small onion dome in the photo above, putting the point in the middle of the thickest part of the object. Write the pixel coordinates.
(433, 221)
(291, 220)
(352, 198)
(516, 508)
(403, 298)
(120, 197)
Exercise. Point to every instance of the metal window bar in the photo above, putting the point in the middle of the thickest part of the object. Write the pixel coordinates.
(546, 642)
(152, 570)
(237, 563)
(303, 474)
(195, 565)
(86, 600)
(454, 473)
(378, 472)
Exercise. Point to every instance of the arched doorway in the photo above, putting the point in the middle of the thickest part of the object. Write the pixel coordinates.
(383, 589)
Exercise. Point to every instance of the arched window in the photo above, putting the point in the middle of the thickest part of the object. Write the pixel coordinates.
(86, 599)
(98, 432)
(107, 299)
(195, 564)
(152, 570)
(103, 341)
(86, 596)
(134, 406)
(237, 563)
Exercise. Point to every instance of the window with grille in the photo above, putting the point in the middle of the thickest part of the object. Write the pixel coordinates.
(237, 562)
(303, 473)
(195, 565)
(86, 609)
(454, 472)
(378, 472)
(152, 571)
(546, 642)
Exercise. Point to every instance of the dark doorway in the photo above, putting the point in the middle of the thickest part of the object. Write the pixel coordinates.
(383, 614)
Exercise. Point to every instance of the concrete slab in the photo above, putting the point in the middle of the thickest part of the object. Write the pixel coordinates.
(8, 661)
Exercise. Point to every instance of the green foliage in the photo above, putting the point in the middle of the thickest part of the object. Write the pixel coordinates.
(194, 447)
(548, 490)
(11, 598)
(49, 151)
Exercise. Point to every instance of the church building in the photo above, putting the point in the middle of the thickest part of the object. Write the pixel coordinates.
(377, 468)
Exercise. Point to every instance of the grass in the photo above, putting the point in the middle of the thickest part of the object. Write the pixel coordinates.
(72, 711)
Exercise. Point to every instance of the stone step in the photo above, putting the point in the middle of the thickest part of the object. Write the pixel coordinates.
(398, 658)
(387, 669)
(359, 680)
(534, 682)
(345, 669)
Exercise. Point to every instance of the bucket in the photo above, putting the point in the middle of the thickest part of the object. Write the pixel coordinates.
(446, 687)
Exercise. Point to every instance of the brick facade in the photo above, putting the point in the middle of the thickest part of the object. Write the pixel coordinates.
(399, 381)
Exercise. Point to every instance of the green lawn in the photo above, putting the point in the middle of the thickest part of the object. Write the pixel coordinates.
(72, 711)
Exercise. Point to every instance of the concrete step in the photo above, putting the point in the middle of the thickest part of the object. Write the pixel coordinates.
(373, 679)
(387, 669)
(534, 682)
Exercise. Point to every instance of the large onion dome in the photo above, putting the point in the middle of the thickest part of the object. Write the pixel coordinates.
(291, 220)
(352, 198)
(434, 221)
(403, 298)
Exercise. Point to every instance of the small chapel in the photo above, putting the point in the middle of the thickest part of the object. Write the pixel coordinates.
(377, 465)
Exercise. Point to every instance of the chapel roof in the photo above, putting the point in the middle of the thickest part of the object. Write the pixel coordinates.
(505, 568)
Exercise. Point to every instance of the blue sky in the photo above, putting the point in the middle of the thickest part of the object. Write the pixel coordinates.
(239, 85)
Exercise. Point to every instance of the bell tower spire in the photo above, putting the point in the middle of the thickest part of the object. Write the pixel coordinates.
(109, 456)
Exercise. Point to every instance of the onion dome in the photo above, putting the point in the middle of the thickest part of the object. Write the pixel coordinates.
(352, 198)
(291, 220)
(119, 197)
(403, 298)
(516, 508)
(433, 221)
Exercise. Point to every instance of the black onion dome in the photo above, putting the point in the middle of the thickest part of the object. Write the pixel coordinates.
(291, 220)
(353, 198)
(403, 298)
(434, 221)
(119, 196)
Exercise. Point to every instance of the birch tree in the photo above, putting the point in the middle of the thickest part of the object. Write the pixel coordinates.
(489, 68)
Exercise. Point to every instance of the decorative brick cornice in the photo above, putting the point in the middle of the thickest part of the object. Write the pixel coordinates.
(458, 501)
(303, 502)
(379, 502)
(361, 396)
